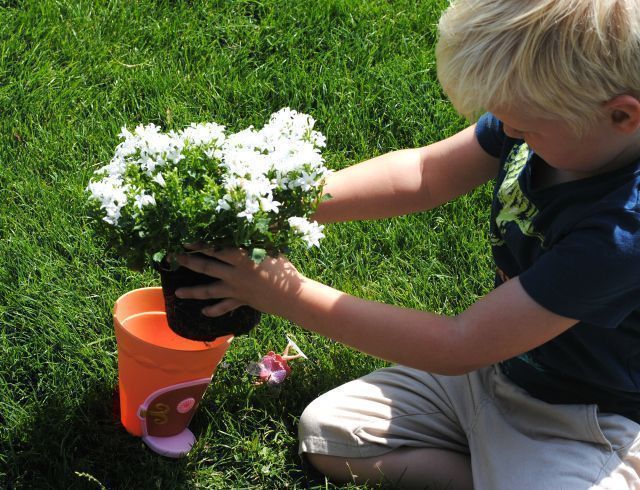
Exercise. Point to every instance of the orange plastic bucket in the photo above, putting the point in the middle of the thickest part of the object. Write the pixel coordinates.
(162, 376)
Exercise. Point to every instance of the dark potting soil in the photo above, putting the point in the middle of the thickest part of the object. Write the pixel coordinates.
(185, 317)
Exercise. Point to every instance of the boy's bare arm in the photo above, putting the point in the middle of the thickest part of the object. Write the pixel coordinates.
(407, 181)
(501, 325)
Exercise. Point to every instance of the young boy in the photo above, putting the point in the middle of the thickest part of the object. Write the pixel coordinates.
(537, 385)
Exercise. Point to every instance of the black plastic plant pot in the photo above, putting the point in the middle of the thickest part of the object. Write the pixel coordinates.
(185, 317)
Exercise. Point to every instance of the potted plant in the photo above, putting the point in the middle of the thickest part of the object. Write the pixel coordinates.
(253, 189)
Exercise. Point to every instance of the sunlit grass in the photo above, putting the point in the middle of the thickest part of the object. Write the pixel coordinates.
(71, 74)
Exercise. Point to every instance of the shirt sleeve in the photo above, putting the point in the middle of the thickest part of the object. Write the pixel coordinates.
(490, 134)
(593, 273)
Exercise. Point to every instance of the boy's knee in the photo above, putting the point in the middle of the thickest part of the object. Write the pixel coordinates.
(311, 419)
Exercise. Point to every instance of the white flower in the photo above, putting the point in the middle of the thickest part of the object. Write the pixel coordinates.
(311, 232)
(111, 193)
(213, 153)
(255, 187)
(203, 134)
(223, 204)
(125, 134)
(258, 173)
(115, 168)
(142, 199)
(251, 208)
(306, 181)
(159, 179)
(268, 205)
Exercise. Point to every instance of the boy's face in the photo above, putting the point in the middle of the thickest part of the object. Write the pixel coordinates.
(598, 150)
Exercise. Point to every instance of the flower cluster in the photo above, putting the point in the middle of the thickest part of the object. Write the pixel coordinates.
(254, 189)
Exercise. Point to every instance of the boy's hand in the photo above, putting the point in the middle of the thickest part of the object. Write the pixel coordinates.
(268, 287)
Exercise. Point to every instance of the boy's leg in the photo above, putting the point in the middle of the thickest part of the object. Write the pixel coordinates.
(623, 436)
(404, 467)
(514, 440)
(398, 426)
(522, 442)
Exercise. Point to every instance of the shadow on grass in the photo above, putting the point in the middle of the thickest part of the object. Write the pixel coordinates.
(84, 445)
(246, 436)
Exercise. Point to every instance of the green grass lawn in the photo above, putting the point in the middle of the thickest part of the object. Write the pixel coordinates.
(71, 74)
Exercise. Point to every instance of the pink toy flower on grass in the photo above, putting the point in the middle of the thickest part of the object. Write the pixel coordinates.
(274, 368)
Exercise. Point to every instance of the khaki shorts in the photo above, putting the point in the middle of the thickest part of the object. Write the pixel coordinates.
(515, 441)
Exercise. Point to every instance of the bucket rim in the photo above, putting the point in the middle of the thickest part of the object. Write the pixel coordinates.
(205, 345)
(121, 300)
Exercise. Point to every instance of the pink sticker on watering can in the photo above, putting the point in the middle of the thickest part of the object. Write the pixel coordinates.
(168, 411)
(185, 405)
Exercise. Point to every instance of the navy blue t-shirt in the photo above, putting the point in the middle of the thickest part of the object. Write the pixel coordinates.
(576, 249)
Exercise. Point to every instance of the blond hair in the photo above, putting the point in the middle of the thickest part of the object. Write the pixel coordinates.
(559, 59)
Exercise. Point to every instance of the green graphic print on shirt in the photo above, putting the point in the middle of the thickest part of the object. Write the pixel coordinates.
(515, 207)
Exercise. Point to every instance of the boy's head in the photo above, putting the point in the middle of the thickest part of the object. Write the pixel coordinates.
(561, 59)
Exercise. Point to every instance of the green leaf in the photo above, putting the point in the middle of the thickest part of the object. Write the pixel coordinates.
(258, 255)
(262, 225)
(158, 256)
(326, 197)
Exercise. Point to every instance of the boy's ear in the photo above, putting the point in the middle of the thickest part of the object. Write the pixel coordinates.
(624, 113)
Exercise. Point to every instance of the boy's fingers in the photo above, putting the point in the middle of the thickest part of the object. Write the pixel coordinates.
(224, 306)
(200, 247)
(232, 256)
(206, 291)
(211, 267)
